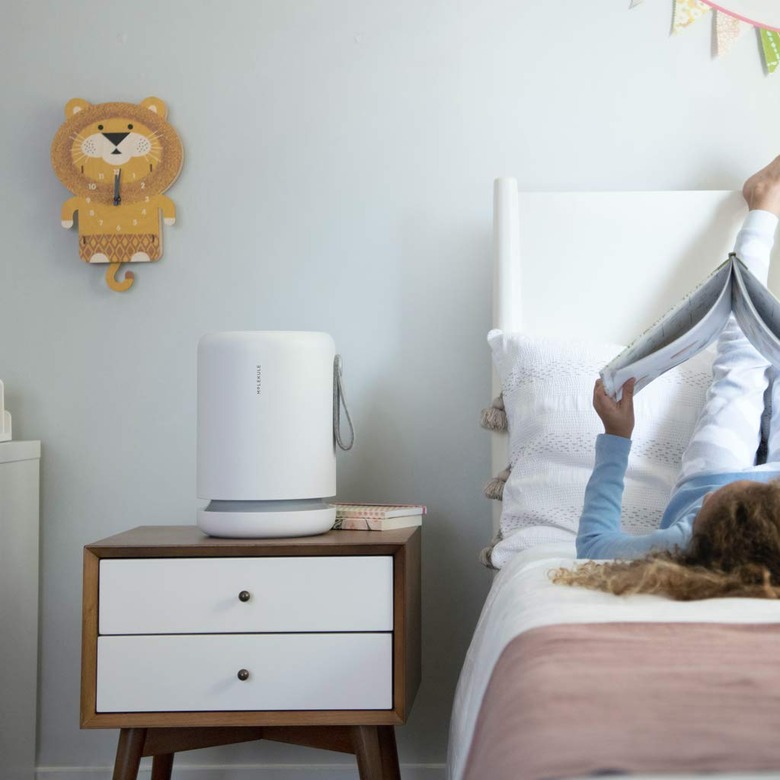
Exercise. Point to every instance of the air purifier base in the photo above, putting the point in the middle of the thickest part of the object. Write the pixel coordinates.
(266, 525)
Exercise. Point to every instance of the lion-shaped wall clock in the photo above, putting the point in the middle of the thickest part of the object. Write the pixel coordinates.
(117, 159)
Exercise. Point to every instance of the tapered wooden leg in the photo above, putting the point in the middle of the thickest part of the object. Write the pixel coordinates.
(128, 753)
(389, 752)
(162, 766)
(369, 757)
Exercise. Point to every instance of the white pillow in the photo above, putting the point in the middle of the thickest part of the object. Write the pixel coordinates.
(548, 391)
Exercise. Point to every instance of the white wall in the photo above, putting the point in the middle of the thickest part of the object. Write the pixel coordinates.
(338, 169)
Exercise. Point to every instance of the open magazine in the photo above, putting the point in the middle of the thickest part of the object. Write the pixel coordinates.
(695, 322)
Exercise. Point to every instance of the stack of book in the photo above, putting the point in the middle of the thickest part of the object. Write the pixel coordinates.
(377, 517)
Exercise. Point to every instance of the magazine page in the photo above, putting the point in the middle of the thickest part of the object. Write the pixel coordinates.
(758, 313)
(689, 327)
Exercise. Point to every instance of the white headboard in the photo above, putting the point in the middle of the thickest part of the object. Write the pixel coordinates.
(601, 265)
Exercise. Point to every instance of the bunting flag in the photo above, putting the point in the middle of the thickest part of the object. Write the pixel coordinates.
(770, 42)
(732, 19)
(686, 12)
(727, 30)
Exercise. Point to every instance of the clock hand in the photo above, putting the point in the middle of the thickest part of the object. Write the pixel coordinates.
(117, 196)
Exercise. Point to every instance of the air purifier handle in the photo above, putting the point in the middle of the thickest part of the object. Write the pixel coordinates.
(339, 400)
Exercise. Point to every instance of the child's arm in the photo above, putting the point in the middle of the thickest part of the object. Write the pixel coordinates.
(599, 535)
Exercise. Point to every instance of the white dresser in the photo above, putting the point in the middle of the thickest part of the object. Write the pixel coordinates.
(19, 528)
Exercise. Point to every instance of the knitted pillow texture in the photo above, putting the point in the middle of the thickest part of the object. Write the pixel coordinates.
(548, 390)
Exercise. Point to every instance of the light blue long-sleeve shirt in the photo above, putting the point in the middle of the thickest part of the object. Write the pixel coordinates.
(600, 535)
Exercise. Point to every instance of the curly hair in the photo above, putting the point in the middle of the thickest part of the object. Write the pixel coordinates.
(735, 553)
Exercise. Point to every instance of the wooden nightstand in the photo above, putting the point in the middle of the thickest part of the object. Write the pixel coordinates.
(191, 641)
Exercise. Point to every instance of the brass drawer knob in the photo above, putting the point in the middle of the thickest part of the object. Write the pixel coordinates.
(244, 596)
(243, 674)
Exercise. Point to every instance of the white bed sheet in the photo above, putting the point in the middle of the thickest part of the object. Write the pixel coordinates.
(523, 597)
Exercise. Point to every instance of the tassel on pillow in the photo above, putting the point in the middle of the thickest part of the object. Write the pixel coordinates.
(495, 488)
(484, 558)
(486, 552)
(494, 417)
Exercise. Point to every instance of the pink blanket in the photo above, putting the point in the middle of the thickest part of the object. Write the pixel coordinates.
(572, 700)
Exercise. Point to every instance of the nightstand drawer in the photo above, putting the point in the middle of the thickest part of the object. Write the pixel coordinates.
(246, 595)
(286, 672)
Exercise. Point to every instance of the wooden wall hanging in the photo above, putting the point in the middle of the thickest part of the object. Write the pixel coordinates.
(117, 159)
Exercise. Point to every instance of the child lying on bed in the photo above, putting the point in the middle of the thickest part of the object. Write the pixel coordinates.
(720, 533)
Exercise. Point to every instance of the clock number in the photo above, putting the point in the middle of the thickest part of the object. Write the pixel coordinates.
(133, 177)
(92, 212)
(118, 228)
(143, 185)
(143, 211)
(146, 199)
(101, 176)
(116, 171)
(93, 186)
(135, 221)
(100, 222)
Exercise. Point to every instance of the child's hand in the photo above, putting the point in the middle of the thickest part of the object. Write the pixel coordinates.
(617, 416)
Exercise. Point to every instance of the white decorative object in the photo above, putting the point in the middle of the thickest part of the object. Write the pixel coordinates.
(5, 417)
(266, 450)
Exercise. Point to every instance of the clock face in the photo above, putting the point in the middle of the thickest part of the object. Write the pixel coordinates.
(111, 148)
(759, 13)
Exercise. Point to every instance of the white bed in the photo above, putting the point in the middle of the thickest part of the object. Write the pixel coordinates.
(603, 266)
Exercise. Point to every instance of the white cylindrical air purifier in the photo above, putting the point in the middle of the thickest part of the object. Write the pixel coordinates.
(266, 451)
